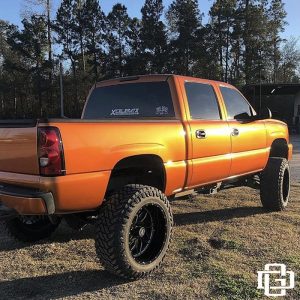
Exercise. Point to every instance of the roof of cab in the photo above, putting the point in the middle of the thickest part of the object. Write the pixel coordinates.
(155, 77)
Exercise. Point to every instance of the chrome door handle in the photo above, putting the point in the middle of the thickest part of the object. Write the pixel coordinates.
(235, 132)
(200, 134)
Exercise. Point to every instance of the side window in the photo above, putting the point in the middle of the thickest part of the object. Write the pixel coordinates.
(236, 104)
(202, 101)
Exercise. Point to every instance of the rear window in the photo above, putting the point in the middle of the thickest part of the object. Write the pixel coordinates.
(132, 101)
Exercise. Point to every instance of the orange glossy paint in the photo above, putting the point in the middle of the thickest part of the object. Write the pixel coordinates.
(93, 148)
(25, 206)
(18, 150)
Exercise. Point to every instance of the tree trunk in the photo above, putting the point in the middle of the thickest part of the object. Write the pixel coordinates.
(246, 42)
(82, 53)
(49, 38)
(95, 66)
(187, 59)
(227, 51)
(75, 77)
(120, 49)
(95, 58)
(220, 46)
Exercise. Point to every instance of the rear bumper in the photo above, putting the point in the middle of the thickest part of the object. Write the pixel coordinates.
(37, 195)
(27, 200)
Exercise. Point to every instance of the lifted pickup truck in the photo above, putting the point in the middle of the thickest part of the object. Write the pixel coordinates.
(140, 142)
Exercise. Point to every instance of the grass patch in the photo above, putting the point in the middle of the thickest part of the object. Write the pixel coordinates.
(220, 243)
(292, 261)
(195, 249)
(234, 287)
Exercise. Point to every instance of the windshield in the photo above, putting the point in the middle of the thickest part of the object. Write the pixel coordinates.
(130, 100)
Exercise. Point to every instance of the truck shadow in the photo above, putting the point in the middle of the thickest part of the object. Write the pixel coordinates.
(216, 215)
(72, 283)
(64, 234)
(58, 285)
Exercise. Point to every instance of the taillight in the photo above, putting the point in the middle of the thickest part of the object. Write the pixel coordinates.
(50, 152)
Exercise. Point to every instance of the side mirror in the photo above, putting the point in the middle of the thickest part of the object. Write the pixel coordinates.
(264, 113)
(242, 117)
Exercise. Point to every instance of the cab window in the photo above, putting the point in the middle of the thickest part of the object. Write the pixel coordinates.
(202, 101)
(236, 105)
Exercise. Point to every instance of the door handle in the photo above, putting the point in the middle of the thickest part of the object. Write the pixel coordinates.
(235, 132)
(200, 134)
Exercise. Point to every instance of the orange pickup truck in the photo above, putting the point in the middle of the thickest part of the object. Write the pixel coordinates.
(140, 142)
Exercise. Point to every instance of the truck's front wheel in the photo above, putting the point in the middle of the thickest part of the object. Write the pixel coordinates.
(275, 184)
(133, 231)
(30, 228)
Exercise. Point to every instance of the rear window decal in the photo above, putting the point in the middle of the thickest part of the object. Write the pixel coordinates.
(125, 112)
(162, 110)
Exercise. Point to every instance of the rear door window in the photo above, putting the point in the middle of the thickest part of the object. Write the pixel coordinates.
(202, 101)
(131, 100)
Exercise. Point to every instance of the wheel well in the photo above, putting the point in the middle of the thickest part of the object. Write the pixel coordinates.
(279, 148)
(139, 169)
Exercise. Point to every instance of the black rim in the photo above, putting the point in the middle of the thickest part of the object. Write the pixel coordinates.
(286, 185)
(141, 232)
(147, 234)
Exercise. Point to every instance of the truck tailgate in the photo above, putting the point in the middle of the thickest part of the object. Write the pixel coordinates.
(18, 148)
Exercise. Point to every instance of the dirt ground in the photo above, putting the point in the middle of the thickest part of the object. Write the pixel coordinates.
(219, 244)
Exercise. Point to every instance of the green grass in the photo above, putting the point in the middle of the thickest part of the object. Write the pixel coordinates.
(233, 287)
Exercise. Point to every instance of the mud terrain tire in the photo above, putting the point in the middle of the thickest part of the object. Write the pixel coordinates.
(30, 228)
(275, 184)
(133, 231)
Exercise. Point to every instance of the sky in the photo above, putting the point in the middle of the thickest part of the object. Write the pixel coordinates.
(10, 10)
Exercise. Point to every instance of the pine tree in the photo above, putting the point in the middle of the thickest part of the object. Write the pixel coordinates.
(241, 44)
(31, 8)
(236, 52)
(276, 26)
(118, 23)
(184, 20)
(94, 26)
(206, 54)
(79, 32)
(153, 36)
(135, 60)
(222, 13)
(289, 62)
(12, 69)
(253, 22)
(31, 45)
(64, 27)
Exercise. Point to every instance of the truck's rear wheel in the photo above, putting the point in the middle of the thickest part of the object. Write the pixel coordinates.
(275, 184)
(30, 228)
(133, 231)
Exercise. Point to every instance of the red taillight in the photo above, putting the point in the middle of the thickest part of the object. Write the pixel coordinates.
(50, 152)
